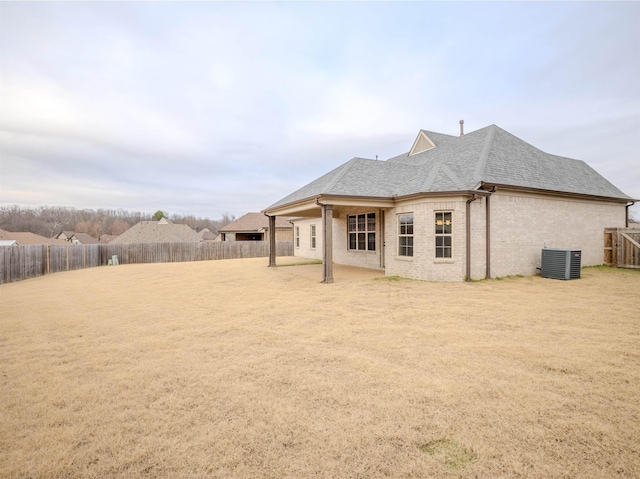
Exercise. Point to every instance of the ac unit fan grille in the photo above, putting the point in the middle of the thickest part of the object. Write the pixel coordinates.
(561, 263)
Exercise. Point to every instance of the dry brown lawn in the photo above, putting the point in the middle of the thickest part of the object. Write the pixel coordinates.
(232, 369)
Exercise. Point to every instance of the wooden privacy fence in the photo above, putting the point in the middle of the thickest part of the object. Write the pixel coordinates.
(30, 261)
(622, 247)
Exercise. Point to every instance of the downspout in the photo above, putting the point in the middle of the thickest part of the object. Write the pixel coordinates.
(488, 232)
(468, 239)
(626, 216)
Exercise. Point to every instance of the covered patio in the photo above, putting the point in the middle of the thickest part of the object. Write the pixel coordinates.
(310, 268)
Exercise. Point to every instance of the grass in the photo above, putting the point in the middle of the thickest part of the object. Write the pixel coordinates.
(301, 263)
(233, 369)
(393, 279)
(455, 456)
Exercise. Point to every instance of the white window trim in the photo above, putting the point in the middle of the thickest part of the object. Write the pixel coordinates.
(398, 235)
(366, 232)
(443, 259)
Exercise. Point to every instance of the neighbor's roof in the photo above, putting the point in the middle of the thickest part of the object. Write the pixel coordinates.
(460, 163)
(156, 232)
(254, 222)
(25, 238)
(107, 238)
(206, 234)
(84, 238)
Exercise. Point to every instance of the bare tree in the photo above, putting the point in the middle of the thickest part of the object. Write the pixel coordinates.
(52, 220)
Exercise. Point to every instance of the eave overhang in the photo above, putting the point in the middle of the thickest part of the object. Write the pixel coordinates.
(309, 207)
(567, 194)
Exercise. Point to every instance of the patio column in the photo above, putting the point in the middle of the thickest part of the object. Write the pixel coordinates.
(272, 241)
(327, 243)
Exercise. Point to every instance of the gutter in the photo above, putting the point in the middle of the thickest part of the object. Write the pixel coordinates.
(566, 194)
(391, 199)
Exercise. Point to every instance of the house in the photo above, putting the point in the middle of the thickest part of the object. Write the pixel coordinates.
(65, 235)
(26, 238)
(77, 238)
(205, 234)
(163, 231)
(255, 227)
(107, 238)
(454, 208)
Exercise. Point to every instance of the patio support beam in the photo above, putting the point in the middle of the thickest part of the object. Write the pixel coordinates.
(327, 243)
(272, 241)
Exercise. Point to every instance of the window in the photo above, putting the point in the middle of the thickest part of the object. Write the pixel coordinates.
(313, 236)
(405, 234)
(297, 237)
(444, 230)
(362, 232)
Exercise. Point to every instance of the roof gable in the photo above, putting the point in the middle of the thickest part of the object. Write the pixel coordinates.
(422, 143)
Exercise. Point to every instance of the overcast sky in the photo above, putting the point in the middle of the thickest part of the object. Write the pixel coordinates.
(205, 108)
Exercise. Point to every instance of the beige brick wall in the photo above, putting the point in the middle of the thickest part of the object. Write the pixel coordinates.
(424, 265)
(305, 250)
(521, 225)
(341, 252)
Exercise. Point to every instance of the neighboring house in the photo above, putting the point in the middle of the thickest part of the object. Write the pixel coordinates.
(206, 235)
(255, 227)
(25, 238)
(65, 235)
(473, 206)
(107, 238)
(83, 238)
(163, 231)
(4, 242)
(77, 238)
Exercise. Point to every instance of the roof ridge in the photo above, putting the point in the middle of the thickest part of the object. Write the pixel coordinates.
(484, 154)
(452, 176)
(343, 170)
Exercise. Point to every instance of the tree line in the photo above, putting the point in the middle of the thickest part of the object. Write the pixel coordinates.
(50, 221)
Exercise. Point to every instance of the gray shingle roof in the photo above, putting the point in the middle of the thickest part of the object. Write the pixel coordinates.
(490, 155)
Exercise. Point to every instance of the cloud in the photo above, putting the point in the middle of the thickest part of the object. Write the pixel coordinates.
(227, 107)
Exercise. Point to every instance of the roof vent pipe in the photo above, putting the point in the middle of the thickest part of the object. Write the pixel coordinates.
(461, 127)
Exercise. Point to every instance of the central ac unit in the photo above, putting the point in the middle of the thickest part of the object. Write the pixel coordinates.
(558, 263)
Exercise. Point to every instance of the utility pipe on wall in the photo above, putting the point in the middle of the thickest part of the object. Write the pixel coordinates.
(488, 232)
(626, 216)
(468, 235)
